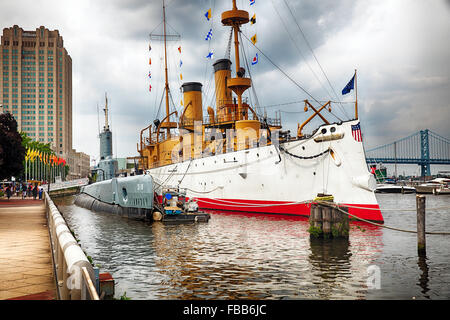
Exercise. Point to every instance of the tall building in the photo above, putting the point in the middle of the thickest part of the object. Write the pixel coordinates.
(36, 86)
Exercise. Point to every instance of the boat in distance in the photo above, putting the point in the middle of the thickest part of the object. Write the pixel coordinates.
(394, 188)
(236, 159)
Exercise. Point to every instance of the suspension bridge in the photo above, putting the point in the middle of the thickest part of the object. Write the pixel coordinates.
(423, 148)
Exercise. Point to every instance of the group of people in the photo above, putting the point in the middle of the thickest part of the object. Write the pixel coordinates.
(24, 189)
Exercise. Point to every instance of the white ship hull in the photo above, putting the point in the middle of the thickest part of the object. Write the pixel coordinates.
(256, 181)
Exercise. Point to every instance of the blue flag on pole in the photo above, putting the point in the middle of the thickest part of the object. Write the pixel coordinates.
(349, 86)
(209, 35)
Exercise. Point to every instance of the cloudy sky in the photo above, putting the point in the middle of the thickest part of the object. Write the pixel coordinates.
(399, 47)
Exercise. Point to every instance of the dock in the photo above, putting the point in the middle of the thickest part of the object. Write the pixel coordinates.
(26, 269)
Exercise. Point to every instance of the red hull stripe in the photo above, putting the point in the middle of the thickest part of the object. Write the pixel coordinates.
(364, 211)
(369, 212)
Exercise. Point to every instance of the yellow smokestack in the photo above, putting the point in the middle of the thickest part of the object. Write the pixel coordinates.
(222, 72)
(193, 109)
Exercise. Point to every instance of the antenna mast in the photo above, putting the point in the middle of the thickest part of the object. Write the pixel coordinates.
(106, 127)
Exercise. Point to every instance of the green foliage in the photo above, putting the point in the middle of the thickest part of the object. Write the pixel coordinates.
(12, 153)
(124, 296)
(339, 231)
(29, 143)
(93, 178)
(315, 231)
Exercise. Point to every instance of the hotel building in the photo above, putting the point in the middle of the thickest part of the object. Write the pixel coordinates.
(36, 87)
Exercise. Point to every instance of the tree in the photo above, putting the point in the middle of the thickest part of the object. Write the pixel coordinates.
(28, 143)
(12, 152)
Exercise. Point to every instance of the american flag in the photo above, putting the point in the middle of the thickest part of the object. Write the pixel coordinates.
(356, 132)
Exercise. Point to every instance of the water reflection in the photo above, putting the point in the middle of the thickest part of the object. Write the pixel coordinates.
(238, 256)
(423, 279)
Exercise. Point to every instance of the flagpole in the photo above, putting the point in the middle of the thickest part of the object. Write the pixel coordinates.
(356, 93)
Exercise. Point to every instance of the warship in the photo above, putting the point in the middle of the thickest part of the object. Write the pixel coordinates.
(232, 158)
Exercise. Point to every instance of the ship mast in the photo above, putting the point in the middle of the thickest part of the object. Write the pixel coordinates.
(235, 18)
(166, 74)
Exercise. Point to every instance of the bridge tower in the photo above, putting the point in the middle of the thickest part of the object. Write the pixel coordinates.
(425, 153)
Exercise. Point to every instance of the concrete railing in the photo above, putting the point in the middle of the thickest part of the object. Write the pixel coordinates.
(66, 184)
(73, 271)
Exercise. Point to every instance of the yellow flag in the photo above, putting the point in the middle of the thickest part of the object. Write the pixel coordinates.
(254, 40)
(181, 76)
(208, 14)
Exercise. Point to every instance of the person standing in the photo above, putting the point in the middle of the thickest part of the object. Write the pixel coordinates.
(34, 191)
(41, 190)
(8, 192)
(24, 190)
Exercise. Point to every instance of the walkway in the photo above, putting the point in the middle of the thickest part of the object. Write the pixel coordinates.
(26, 271)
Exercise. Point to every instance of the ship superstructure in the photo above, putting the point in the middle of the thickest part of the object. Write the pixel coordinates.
(107, 166)
(237, 160)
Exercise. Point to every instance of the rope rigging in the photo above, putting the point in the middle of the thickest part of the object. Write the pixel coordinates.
(312, 51)
(286, 75)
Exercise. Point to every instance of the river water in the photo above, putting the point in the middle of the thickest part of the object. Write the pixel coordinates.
(239, 256)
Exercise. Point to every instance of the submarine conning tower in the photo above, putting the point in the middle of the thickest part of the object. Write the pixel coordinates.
(105, 144)
(107, 166)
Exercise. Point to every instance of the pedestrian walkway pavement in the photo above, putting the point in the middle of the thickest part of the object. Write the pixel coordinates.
(26, 269)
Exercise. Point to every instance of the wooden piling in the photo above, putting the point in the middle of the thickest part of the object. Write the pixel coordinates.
(420, 205)
(318, 216)
(328, 222)
(326, 218)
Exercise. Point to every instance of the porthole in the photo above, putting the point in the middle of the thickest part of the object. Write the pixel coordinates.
(324, 131)
(332, 129)
(303, 147)
(124, 194)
